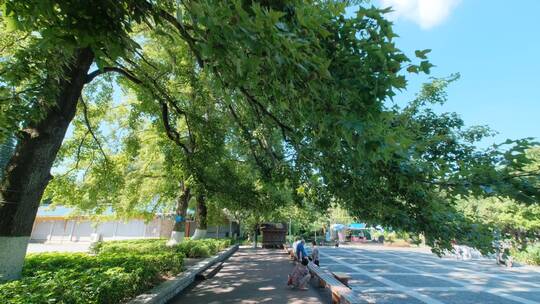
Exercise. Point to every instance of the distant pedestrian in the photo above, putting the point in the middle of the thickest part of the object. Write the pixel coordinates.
(315, 253)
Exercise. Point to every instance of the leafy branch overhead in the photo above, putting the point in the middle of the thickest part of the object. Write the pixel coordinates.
(254, 106)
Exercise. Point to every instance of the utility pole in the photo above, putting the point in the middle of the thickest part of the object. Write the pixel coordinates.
(290, 227)
(255, 236)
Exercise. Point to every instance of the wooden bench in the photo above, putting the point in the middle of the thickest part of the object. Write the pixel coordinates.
(210, 272)
(342, 277)
(341, 294)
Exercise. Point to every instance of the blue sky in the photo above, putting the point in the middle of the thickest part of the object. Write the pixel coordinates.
(494, 45)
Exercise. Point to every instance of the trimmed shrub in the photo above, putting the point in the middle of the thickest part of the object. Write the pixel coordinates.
(186, 247)
(134, 246)
(116, 272)
(199, 251)
(109, 277)
(165, 262)
(531, 255)
(94, 285)
(213, 246)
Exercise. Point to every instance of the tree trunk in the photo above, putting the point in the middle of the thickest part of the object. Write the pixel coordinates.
(28, 171)
(202, 223)
(6, 152)
(177, 235)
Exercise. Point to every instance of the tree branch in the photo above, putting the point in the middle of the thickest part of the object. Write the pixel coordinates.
(118, 70)
(79, 148)
(14, 42)
(248, 137)
(172, 134)
(183, 32)
(88, 167)
(144, 59)
(88, 125)
(163, 99)
(252, 99)
(158, 88)
(152, 176)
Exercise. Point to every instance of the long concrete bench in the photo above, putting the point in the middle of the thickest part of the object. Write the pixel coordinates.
(342, 277)
(341, 294)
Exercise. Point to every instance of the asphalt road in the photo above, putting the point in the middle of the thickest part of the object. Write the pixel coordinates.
(381, 275)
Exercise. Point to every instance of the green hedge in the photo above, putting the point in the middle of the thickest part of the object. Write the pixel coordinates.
(116, 271)
(531, 255)
(190, 248)
(83, 278)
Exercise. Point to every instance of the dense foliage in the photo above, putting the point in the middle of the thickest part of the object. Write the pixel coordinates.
(81, 278)
(188, 248)
(530, 255)
(118, 271)
(513, 221)
(259, 107)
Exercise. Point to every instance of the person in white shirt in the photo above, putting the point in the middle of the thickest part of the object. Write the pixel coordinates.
(294, 245)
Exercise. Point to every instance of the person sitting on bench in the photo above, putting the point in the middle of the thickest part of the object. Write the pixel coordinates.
(300, 276)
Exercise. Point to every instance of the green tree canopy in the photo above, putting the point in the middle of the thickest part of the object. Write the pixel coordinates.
(263, 102)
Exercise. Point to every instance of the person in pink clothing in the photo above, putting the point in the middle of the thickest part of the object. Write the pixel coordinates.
(300, 276)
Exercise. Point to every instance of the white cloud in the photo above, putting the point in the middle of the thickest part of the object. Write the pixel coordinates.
(426, 13)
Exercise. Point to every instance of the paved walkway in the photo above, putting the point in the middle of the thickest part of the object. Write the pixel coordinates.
(252, 276)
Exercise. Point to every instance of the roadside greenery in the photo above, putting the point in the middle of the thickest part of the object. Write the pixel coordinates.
(528, 255)
(510, 219)
(188, 248)
(266, 108)
(115, 272)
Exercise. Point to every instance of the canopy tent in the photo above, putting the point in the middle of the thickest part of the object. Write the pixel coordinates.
(338, 227)
(357, 226)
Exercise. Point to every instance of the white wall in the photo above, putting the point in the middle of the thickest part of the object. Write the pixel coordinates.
(80, 231)
(130, 230)
(107, 229)
(42, 230)
(71, 230)
(61, 231)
